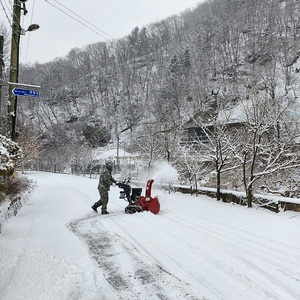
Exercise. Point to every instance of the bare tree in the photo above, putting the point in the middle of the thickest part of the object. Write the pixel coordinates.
(191, 165)
(29, 139)
(269, 140)
(217, 142)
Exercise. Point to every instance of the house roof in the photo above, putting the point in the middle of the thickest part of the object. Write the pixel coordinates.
(233, 115)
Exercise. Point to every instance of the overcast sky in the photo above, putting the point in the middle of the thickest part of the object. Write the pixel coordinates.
(59, 33)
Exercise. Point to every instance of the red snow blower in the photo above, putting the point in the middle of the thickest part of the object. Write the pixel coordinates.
(138, 203)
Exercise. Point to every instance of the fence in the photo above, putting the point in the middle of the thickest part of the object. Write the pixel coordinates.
(273, 203)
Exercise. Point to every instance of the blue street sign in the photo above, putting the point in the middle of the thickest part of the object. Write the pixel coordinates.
(26, 93)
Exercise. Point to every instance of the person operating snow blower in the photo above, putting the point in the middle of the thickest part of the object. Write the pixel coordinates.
(105, 181)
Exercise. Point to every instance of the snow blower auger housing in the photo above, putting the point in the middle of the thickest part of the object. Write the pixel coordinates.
(138, 203)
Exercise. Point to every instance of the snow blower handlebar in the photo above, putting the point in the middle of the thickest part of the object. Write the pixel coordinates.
(125, 194)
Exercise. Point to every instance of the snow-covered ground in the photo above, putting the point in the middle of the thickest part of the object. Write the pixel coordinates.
(57, 248)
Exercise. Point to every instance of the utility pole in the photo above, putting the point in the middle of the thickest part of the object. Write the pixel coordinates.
(1, 70)
(14, 69)
(14, 65)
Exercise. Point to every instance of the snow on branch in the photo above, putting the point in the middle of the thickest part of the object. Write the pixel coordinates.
(10, 152)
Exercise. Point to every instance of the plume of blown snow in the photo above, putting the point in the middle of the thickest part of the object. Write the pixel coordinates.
(163, 172)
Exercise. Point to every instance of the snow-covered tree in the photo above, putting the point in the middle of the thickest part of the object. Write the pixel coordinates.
(191, 165)
(216, 142)
(10, 153)
(269, 143)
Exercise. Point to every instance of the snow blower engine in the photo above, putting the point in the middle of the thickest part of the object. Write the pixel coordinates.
(138, 203)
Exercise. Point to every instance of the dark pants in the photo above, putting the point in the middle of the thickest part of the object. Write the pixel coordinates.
(103, 200)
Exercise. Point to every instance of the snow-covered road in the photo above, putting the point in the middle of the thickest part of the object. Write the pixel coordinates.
(195, 248)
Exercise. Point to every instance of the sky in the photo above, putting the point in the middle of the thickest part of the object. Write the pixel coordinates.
(59, 33)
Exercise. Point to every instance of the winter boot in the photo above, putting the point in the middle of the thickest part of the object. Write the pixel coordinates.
(105, 213)
(94, 208)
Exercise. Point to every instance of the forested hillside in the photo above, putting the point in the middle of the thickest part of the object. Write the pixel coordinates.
(225, 56)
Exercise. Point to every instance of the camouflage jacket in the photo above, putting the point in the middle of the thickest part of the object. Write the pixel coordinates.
(105, 179)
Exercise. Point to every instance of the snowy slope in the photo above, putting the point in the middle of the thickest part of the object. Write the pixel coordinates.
(195, 248)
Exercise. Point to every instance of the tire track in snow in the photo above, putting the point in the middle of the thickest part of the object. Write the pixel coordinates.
(247, 264)
(264, 261)
(275, 250)
(255, 260)
(165, 247)
(120, 260)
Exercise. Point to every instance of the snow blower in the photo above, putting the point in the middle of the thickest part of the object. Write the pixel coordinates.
(138, 203)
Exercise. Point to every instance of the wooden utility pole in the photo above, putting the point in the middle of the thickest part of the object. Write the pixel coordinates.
(1, 70)
(14, 70)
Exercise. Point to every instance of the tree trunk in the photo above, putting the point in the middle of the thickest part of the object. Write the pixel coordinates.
(218, 184)
(249, 196)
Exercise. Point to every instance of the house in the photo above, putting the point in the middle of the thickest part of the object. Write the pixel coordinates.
(202, 125)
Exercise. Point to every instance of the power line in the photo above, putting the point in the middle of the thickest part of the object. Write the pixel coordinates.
(29, 32)
(9, 21)
(83, 19)
(9, 7)
(77, 20)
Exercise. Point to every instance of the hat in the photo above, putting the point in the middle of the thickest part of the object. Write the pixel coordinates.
(109, 164)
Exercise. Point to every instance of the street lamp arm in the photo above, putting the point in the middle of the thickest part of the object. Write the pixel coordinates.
(32, 27)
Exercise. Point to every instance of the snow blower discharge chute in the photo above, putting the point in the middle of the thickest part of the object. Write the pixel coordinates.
(138, 203)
